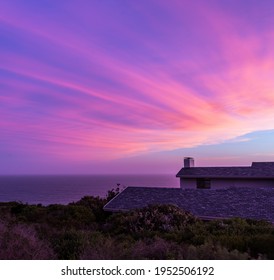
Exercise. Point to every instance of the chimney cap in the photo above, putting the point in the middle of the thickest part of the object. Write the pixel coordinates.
(188, 162)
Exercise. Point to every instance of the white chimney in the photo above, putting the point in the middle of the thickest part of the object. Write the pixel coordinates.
(188, 162)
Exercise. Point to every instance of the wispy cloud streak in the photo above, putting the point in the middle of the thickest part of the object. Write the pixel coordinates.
(95, 82)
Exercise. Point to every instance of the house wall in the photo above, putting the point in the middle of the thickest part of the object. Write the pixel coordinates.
(187, 183)
(226, 183)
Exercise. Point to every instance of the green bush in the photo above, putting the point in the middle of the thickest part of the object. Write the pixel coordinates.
(94, 205)
(162, 218)
(67, 244)
(83, 230)
(70, 216)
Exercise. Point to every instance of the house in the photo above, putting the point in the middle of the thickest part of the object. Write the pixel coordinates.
(259, 174)
(245, 192)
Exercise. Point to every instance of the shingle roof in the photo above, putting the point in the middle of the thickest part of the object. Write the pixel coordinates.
(263, 170)
(254, 203)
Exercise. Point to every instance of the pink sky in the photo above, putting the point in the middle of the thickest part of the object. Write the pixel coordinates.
(133, 87)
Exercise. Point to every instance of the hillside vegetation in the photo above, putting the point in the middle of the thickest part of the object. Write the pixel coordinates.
(82, 230)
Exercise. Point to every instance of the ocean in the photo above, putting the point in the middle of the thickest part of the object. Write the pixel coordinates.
(63, 189)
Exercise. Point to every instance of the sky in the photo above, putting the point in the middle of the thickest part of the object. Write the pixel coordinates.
(114, 86)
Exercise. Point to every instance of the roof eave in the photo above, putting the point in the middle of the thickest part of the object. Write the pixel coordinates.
(115, 197)
(223, 177)
(116, 210)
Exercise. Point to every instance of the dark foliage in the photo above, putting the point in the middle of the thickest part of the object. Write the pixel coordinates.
(83, 230)
(156, 218)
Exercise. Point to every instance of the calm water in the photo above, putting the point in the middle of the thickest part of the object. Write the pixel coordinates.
(65, 189)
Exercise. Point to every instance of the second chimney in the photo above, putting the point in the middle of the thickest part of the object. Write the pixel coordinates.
(188, 162)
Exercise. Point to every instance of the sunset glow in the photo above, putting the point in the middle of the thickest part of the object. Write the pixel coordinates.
(134, 86)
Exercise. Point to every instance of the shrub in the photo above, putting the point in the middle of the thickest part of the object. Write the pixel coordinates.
(163, 218)
(67, 244)
(101, 247)
(95, 206)
(84, 230)
(209, 251)
(21, 242)
(262, 246)
(156, 249)
(70, 216)
(112, 193)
